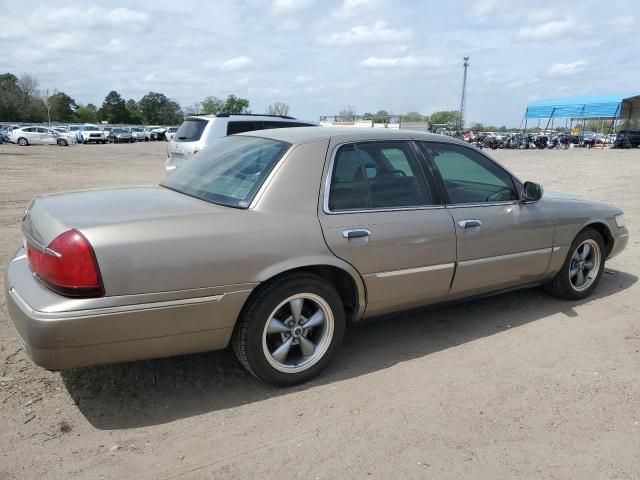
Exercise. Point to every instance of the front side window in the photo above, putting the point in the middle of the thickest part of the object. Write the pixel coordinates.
(376, 175)
(229, 172)
(469, 176)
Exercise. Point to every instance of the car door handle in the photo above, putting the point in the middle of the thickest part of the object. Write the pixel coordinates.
(469, 223)
(356, 233)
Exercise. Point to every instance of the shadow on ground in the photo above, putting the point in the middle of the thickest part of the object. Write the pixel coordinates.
(153, 392)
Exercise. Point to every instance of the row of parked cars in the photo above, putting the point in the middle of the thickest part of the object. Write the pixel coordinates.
(67, 135)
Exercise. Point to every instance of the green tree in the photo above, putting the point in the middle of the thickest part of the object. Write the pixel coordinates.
(381, 116)
(10, 96)
(414, 117)
(156, 108)
(451, 117)
(278, 108)
(114, 108)
(61, 107)
(235, 104)
(87, 113)
(210, 106)
(133, 112)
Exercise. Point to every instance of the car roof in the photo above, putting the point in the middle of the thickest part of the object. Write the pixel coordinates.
(245, 116)
(347, 134)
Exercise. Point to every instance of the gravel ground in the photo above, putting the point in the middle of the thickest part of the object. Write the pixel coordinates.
(520, 385)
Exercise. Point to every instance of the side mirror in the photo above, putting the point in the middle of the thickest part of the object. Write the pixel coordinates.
(532, 192)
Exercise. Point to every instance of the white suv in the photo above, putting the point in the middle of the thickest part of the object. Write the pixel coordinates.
(197, 131)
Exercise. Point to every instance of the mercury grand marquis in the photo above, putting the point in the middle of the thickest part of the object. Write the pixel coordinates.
(273, 241)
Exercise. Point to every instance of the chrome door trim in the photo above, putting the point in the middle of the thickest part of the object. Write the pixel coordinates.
(327, 187)
(408, 271)
(492, 204)
(508, 256)
(119, 309)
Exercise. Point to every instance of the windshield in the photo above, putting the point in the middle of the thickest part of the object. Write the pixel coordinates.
(191, 130)
(229, 172)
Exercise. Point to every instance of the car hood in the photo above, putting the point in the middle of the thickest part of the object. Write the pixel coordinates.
(49, 215)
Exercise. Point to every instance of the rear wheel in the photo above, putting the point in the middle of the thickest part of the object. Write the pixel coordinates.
(62, 142)
(23, 142)
(290, 330)
(582, 269)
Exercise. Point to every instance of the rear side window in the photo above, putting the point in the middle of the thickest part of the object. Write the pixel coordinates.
(240, 127)
(377, 175)
(191, 130)
(230, 171)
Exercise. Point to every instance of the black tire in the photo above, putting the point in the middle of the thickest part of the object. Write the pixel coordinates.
(561, 285)
(62, 142)
(247, 338)
(23, 142)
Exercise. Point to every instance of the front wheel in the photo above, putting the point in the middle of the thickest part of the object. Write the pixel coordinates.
(62, 142)
(582, 269)
(290, 330)
(23, 142)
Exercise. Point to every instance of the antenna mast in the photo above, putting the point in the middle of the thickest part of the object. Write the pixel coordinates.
(463, 99)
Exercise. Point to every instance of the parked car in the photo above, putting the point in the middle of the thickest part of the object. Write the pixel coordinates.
(170, 133)
(24, 136)
(633, 137)
(285, 236)
(6, 130)
(157, 133)
(196, 132)
(139, 134)
(90, 133)
(120, 135)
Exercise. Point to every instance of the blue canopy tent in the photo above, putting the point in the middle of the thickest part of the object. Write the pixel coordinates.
(621, 106)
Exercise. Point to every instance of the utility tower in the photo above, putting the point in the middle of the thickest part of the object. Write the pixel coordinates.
(463, 98)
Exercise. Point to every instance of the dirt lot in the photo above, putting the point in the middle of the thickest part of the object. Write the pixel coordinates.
(520, 385)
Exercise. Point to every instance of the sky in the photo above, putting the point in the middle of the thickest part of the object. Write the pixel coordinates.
(318, 56)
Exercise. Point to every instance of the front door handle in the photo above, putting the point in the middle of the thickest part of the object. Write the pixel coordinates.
(356, 233)
(469, 223)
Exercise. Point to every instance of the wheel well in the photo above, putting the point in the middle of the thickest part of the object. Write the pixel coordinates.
(343, 282)
(603, 230)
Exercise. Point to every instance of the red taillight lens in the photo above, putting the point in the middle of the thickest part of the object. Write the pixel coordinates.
(68, 265)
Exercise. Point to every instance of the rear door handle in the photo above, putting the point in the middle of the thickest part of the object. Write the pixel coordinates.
(356, 233)
(469, 223)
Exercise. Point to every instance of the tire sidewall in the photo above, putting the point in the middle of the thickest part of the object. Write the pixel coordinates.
(257, 314)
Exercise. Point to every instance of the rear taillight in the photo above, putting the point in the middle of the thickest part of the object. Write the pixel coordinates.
(67, 265)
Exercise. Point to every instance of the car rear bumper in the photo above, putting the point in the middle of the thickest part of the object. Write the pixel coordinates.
(76, 336)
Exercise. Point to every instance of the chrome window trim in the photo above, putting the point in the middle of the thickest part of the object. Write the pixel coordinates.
(327, 186)
(408, 271)
(477, 261)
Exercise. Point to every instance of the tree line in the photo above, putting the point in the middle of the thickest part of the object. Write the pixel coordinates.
(21, 100)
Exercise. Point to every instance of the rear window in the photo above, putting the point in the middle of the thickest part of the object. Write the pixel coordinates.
(229, 172)
(191, 130)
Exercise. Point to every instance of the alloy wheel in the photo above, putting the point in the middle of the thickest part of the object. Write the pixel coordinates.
(585, 265)
(298, 333)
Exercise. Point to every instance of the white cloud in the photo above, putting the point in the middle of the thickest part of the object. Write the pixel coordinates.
(408, 61)
(624, 23)
(287, 7)
(350, 8)
(303, 79)
(567, 27)
(235, 64)
(560, 69)
(378, 32)
(52, 18)
(483, 8)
